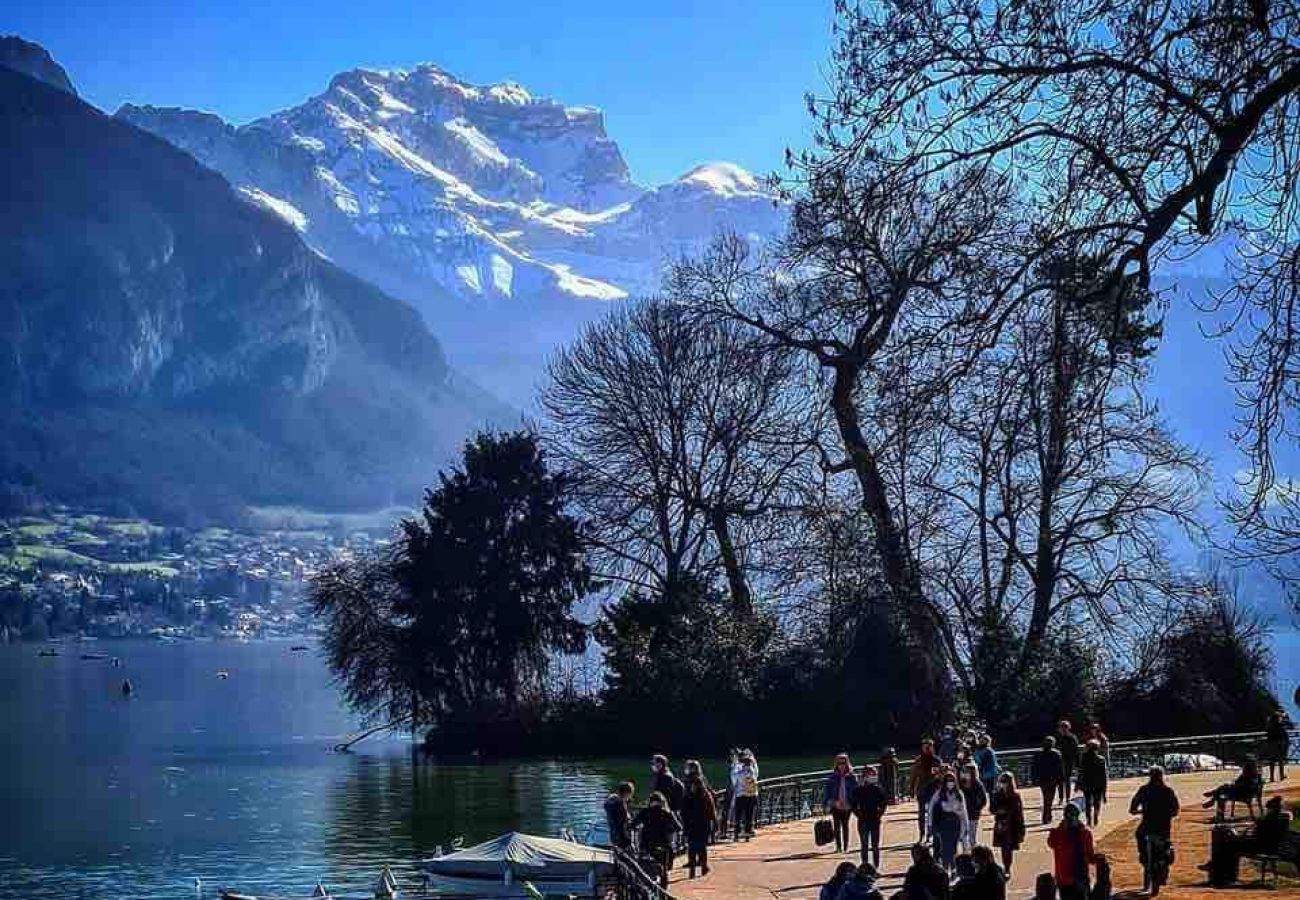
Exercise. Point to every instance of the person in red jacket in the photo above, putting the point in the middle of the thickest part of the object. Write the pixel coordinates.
(1072, 854)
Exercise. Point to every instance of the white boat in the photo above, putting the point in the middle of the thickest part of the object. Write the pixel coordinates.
(508, 866)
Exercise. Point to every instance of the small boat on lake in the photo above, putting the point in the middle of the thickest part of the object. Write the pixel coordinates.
(94, 656)
(298, 648)
(47, 651)
(508, 866)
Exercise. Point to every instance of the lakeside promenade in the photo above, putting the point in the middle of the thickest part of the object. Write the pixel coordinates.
(783, 862)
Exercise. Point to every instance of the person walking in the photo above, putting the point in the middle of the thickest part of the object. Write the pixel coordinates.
(1092, 781)
(888, 768)
(1008, 811)
(949, 824)
(837, 799)
(1158, 805)
(744, 787)
(699, 815)
(922, 774)
(1068, 745)
(618, 817)
(1277, 741)
(972, 790)
(1047, 769)
(1072, 854)
(986, 761)
(659, 828)
(869, 804)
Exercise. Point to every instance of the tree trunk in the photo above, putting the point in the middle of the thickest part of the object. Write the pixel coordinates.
(741, 599)
(902, 575)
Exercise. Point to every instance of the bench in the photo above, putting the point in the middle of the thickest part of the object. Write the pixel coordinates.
(1288, 852)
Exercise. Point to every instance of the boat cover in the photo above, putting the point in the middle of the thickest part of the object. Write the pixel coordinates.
(526, 855)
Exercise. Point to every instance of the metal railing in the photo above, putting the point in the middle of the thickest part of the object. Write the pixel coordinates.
(631, 882)
(787, 798)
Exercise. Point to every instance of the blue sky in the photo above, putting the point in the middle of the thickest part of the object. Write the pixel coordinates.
(680, 82)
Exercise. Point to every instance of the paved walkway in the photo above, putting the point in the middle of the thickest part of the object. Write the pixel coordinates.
(782, 861)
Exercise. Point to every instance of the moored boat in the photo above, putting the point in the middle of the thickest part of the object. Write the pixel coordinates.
(521, 865)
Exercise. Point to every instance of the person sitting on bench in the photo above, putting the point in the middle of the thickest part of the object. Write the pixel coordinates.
(1227, 847)
(1247, 787)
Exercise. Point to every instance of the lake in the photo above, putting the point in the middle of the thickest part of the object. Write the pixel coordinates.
(232, 780)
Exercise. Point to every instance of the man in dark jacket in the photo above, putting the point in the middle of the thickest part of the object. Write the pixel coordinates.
(1157, 803)
(1046, 769)
(665, 782)
(659, 829)
(1068, 744)
(869, 804)
(618, 817)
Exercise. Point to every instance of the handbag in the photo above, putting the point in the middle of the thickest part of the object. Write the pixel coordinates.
(823, 832)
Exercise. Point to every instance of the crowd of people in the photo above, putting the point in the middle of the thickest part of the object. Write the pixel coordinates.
(956, 783)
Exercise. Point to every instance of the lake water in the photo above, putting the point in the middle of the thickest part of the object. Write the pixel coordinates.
(232, 780)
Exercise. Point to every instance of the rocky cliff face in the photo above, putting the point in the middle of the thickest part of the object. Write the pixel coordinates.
(505, 219)
(164, 340)
(34, 61)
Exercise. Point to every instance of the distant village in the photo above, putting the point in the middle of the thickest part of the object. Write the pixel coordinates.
(66, 574)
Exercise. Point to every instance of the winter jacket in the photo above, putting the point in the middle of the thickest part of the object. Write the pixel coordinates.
(1092, 772)
(858, 889)
(670, 786)
(926, 879)
(1072, 853)
(1046, 767)
(1008, 819)
(869, 801)
(744, 780)
(1158, 805)
(839, 785)
(1068, 745)
(986, 759)
(618, 818)
(975, 796)
(658, 825)
(699, 811)
(920, 773)
(942, 804)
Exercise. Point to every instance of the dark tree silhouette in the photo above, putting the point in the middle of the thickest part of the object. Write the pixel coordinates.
(458, 621)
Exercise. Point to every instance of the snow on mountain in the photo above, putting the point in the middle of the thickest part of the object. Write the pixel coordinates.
(504, 218)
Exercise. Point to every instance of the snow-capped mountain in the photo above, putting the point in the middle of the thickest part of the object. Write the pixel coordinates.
(506, 219)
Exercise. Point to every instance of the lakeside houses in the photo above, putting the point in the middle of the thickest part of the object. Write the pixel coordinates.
(67, 573)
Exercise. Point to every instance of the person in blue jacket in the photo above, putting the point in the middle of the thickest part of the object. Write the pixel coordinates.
(837, 799)
(986, 760)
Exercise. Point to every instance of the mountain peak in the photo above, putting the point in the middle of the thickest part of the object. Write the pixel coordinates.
(724, 178)
(34, 61)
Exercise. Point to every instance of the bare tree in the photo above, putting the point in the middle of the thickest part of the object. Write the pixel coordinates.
(685, 441)
(1060, 480)
(1142, 129)
(870, 279)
